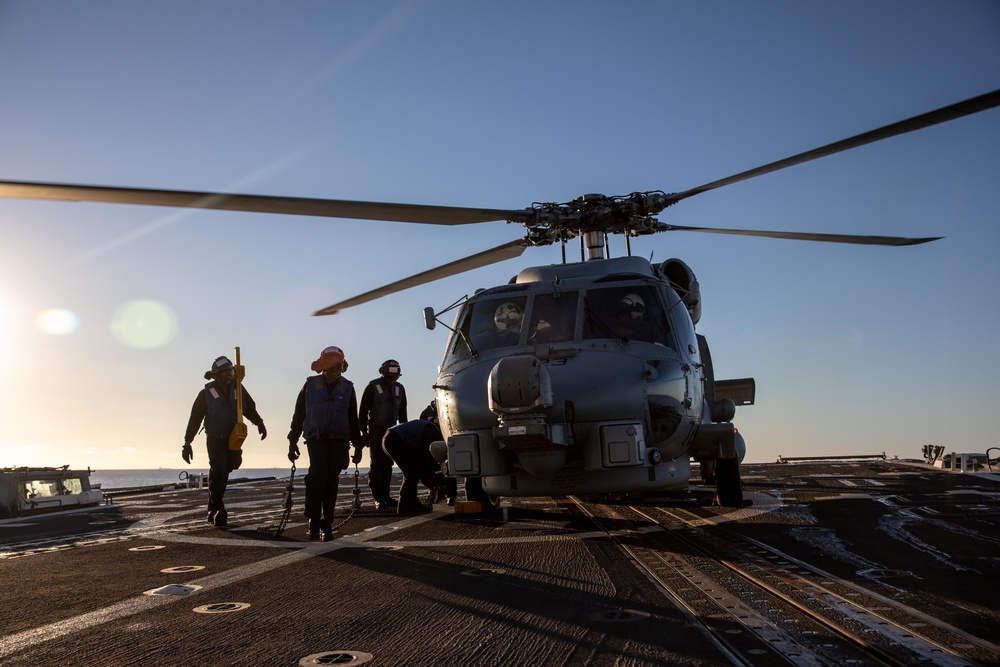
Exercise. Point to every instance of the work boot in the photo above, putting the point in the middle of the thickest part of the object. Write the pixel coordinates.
(221, 519)
(412, 507)
(381, 505)
(313, 529)
(327, 531)
(437, 495)
(211, 517)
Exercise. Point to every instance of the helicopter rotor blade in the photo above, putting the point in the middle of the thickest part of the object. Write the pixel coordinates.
(508, 250)
(810, 236)
(329, 208)
(944, 114)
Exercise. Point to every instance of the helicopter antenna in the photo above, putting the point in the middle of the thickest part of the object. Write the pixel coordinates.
(628, 242)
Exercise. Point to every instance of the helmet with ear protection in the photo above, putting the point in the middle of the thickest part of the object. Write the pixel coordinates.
(507, 317)
(390, 367)
(330, 357)
(220, 365)
(632, 306)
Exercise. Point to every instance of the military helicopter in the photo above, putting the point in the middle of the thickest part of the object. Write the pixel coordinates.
(582, 378)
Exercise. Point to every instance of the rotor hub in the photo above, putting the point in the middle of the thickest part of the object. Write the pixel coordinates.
(631, 215)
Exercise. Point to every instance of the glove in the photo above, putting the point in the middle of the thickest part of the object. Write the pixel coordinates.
(187, 453)
(293, 451)
(262, 430)
(357, 456)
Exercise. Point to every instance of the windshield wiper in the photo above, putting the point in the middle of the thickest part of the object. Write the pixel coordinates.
(601, 324)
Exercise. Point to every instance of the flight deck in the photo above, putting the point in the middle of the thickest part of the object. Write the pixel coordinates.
(831, 562)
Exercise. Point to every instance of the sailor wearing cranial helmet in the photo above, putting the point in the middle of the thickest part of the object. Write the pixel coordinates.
(216, 406)
(326, 416)
(383, 405)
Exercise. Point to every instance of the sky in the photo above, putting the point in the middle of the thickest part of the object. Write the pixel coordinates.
(110, 314)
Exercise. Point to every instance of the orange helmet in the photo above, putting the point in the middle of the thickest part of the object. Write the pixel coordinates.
(331, 357)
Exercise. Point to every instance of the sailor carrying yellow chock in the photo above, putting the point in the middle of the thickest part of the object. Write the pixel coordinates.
(222, 405)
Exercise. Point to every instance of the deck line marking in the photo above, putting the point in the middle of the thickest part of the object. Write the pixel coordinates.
(29, 638)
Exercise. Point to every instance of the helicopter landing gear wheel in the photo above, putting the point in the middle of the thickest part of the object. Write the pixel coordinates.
(707, 472)
(474, 491)
(728, 485)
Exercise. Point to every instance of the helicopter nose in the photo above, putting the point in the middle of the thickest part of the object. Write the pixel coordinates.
(520, 391)
(518, 385)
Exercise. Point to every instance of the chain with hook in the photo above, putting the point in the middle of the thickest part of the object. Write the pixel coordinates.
(287, 511)
(356, 503)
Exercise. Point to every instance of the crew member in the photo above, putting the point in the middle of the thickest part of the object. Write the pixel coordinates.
(507, 320)
(216, 406)
(383, 404)
(430, 413)
(448, 487)
(409, 446)
(326, 416)
(631, 323)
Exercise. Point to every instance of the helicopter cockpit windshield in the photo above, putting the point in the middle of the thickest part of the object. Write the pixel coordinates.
(506, 319)
(553, 317)
(487, 324)
(630, 312)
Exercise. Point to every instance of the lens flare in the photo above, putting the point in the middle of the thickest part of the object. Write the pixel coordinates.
(144, 324)
(57, 321)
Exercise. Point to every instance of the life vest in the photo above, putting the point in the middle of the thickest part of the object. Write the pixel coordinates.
(385, 403)
(327, 408)
(221, 415)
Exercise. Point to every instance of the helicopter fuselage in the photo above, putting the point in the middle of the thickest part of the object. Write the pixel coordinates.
(581, 378)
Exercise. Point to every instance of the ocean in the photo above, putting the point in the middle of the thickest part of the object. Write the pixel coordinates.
(128, 479)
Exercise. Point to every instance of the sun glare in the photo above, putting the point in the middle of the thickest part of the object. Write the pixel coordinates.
(57, 321)
(9, 320)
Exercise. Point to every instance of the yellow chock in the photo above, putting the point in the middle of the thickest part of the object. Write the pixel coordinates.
(468, 507)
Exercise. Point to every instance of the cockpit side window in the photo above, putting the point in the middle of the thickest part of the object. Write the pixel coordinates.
(630, 312)
(553, 317)
(682, 328)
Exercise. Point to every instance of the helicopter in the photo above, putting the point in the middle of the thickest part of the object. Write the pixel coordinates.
(579, 378)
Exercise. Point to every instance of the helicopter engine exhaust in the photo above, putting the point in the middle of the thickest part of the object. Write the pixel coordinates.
(683, 280)
(520, 393)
